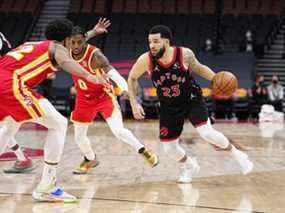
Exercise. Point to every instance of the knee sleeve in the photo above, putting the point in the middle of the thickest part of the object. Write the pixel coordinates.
(208, 133)
(174, 150)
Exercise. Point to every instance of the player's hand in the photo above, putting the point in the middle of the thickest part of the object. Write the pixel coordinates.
(101, 26)
(138, 111)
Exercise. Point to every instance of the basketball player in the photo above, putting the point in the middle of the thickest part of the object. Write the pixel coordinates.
(23, 163)
(20, 70)
(180, 97)
(98, 98)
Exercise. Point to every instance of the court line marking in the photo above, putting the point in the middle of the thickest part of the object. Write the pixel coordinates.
(148, 202)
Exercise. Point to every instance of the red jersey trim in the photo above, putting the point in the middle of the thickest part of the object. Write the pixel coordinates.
(150, 64)
(169, 139)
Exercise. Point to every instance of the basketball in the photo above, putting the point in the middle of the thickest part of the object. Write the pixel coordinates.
(224, 84)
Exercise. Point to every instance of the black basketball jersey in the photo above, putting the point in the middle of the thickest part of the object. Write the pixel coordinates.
(174, 83)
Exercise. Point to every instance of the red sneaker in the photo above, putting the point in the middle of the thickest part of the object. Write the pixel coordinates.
(21, 167)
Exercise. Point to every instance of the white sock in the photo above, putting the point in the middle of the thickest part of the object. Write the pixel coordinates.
(49, 174)
(80, 137)
(116, 125)
(188, 163)
(20, 155)
(17, 150)
(90, 155)
(234, 151)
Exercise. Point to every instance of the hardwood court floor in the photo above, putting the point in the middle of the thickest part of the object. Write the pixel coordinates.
(123, 182)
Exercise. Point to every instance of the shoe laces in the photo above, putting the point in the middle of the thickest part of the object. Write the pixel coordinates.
(147, 154)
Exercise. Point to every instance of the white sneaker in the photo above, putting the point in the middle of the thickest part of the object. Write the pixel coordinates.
(243, 160)
(51, 193)
(189, 171)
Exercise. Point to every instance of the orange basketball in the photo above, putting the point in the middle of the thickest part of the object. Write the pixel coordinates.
(224, 84)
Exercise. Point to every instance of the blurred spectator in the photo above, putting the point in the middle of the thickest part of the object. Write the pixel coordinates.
(258, 94)
(276, 93)
(5, 45)
(249, 41)
(223, 108)
(208, 45)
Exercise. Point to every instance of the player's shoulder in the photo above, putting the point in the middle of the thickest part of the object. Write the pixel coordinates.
(93, 47)
(186, 51)
(143, 57)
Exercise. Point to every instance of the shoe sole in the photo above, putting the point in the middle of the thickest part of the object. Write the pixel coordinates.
(84, 173)
(18, 171)
(197, 170)
(49, 199)
(154, 165)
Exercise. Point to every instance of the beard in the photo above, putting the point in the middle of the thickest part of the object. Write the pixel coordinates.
(159, 54)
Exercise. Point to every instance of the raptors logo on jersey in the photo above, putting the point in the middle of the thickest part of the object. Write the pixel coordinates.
(21, 69)
(173, 81)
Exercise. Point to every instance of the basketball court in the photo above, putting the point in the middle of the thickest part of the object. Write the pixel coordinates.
(123, 182)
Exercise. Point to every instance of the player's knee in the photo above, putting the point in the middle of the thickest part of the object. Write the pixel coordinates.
(166, 147)
(205, 131)
(174, 150)
(120, 132)
(7, 131)
(61, 123)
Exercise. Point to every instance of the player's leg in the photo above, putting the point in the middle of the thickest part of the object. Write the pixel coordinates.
(23, 104)
(198, 116)
(83, 142)
(57, 127)
(170, 130)
(23, 163)
(113, 116)
(82, 116)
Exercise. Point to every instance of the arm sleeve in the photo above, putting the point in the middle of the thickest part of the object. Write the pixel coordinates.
(118, 79)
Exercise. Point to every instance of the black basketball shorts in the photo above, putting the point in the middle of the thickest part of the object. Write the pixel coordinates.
(171, 119)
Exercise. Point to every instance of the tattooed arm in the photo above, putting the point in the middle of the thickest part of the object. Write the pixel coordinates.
(100, 61)
(64, 61)
(192, 63)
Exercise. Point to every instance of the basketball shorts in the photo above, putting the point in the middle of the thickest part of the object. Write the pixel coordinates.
(86, 108)
(18, 101)
(171, 118)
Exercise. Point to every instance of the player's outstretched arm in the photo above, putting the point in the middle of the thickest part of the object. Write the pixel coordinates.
(192, 63)
(100, 28)
(64, 61)
(100, 61)
(138, 69)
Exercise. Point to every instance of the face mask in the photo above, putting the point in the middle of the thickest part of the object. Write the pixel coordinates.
(274, 81)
